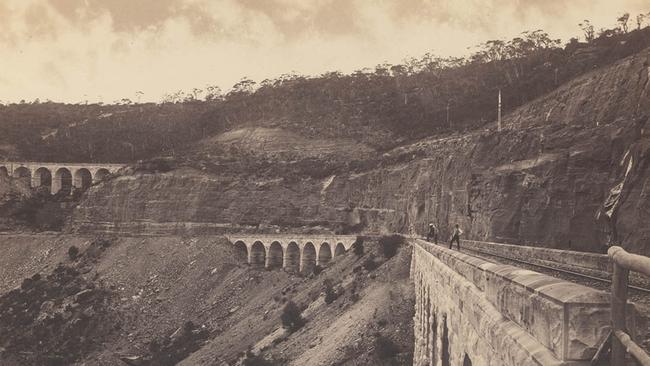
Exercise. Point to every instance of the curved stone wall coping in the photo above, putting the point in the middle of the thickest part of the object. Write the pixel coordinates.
(80, 165)
(347, 240)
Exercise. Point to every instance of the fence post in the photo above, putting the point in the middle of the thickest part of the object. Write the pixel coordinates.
(619, 301)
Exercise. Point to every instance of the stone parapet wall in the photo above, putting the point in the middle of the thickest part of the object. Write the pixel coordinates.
(502, 315)
(579, 261)
(592, 264)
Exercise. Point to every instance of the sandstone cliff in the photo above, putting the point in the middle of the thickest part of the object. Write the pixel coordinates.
(569, 170)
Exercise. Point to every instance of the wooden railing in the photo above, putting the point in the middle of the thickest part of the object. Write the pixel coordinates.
(622, 343)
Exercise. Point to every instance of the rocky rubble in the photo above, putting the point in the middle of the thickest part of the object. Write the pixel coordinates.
(171, 349)
(55, 319)
(192, 301)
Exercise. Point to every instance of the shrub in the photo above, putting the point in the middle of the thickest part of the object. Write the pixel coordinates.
(355, 297)
(330, 293)
(385, 348)
(317, 270)
(389, 245)
(291, 317)
(369, 264)
(73, 253)
(357, 247)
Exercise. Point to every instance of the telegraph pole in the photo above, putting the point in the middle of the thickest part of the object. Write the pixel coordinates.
(448, 121)
(499, 113)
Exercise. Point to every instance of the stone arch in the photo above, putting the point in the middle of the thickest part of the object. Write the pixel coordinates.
(62, 182)
(82, 179)
(308, 258)
(258, 254)
(292, 257)
(241, 250)
(427, 320)
(23, 175)
(42, 178)
(340, 249)
(434, 333)
(467, 361)
(3, 171)
(101, 174)
(445, 342)
(274, 255)
(324, 254)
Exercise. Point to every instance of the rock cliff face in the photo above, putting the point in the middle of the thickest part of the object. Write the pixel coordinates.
(188, 199)
(498, 186)
(569, 170)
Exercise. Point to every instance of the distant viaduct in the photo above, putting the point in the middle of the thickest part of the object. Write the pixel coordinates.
(59, 177)
(296, 253)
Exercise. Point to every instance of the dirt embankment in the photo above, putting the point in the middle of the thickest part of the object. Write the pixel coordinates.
(193, 301)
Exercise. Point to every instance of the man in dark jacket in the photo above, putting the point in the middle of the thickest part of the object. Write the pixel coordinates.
(455, 236)
(432, 234)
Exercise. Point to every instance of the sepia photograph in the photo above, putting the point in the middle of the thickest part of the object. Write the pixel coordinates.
(324, 182)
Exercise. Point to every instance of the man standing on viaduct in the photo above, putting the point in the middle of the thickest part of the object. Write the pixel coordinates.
(432, 234)
(455, 236)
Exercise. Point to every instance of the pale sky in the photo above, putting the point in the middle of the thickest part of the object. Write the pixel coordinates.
(104, 50)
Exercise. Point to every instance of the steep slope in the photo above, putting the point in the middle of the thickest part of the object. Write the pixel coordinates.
(383, 106)
(162, 300)
(187, 200)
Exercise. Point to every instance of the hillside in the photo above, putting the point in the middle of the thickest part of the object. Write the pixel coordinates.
(290, 136)
(193, 300)
(567, 171)
(380, 107)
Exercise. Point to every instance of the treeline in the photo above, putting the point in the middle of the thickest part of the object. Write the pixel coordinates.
(383, 106)
(96, 133)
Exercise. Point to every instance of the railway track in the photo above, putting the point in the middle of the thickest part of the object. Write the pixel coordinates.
(638, 289)
(581, 278)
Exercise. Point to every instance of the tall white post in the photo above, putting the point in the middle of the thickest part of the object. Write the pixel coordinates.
(448, 122)
(499, 112)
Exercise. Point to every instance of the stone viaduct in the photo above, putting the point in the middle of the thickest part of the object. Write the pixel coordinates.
(58, 177)
(296, 253)
(473, 312)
